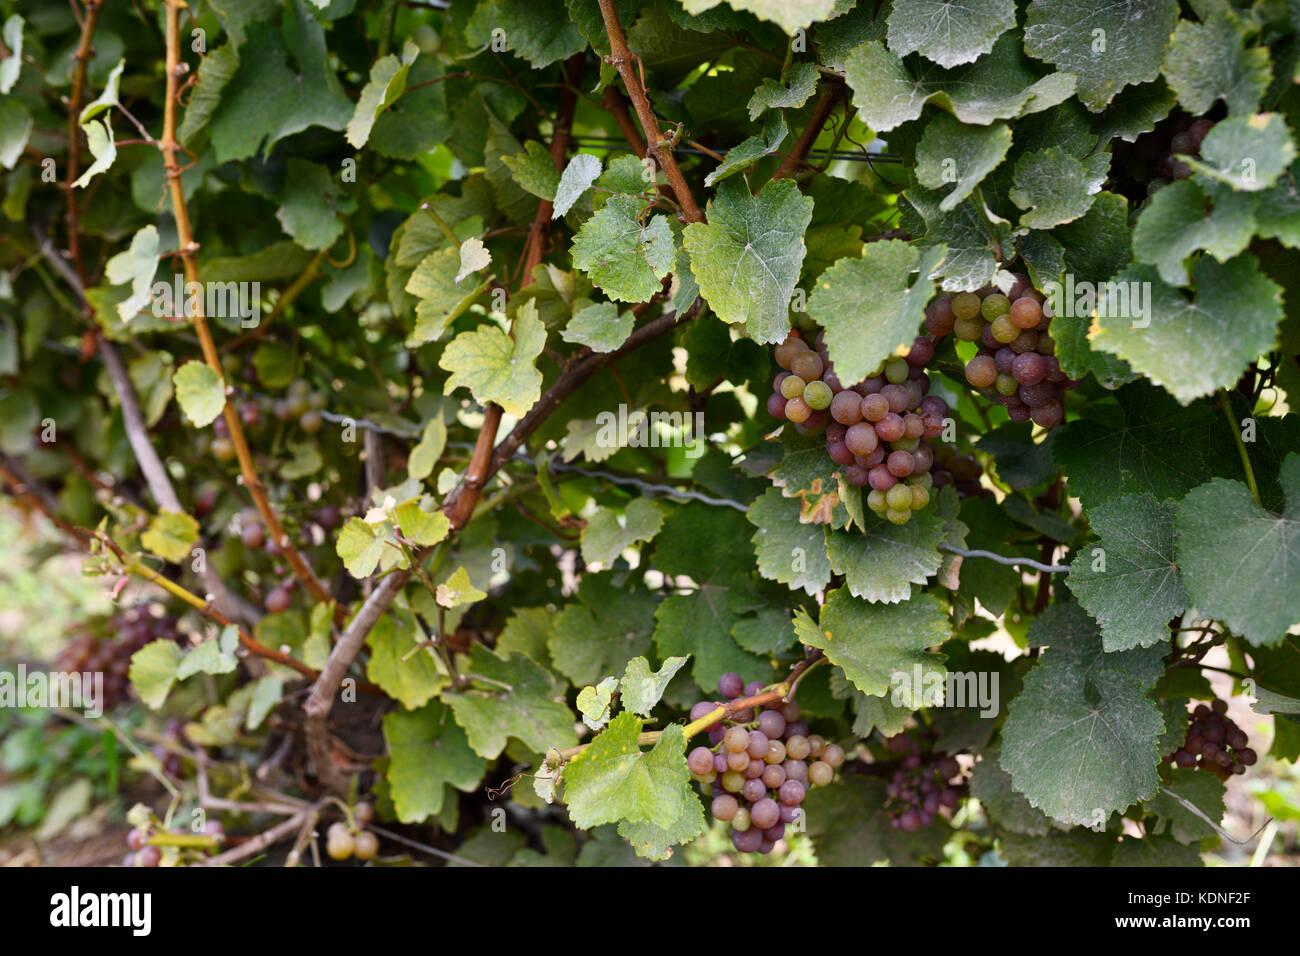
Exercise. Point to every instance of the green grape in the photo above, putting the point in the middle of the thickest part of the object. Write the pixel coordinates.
(901, 516)
(968, 330)
(1004, 330)
(792, 386)
(899, 497)
(896, 371)
(905, 444)
(966, 305)
(817, 394)
(876, 501)
(920, 496)
(995, 305)
(1006, 385)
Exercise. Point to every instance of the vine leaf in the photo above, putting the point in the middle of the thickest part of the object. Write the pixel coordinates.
(1001, 85)
(440, 294)
(458, 591)
(387, 82)
(1182, 218)
(1131, 587)
(883, 561)
(522, 700)
(1053, 187)
(599, 327)
(799, 84)
(428, 753)
(789, 15)
(1146, 444)
(600, 631)
(641, 688)
(594, 702)
(1209, 61)
(1240, 563)
(102, 146)
(578, 175)
(748, 257)
(313, 204)
(751, 150)
(949, 33)
(534, 170)
(789, 551)
(154, 670)
(136, 265)
(613, 779)
(870, 307)
(267, 98)
(1108, 47)
(1080, 739)
(1202, 790)
(609, 533)
(170, 535)
(16, 126)
(496, 367)
(1248, 153)
(200, 393)
(875, 643)
(1194, 347)
(951, 148)
(413, 680)
(625, 259)
(474, 257)
(1009, 810)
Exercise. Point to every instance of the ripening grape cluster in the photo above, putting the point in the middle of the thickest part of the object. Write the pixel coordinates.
(343, 841)
(927, 782)
(1016, 365)
(760, 765)
(877, 429)
(961, 471)
(1214, 742)
(144, 853)
(110, 654)
(1152, 161)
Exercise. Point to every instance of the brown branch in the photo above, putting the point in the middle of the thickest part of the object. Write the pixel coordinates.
(25, 488)
(187, 247)
(621, 58)
(830, 96)
(82, 58)
(617, 108)
(321, 699)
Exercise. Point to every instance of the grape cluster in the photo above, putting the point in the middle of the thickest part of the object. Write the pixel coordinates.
(1016, 365)
(961, 471)
(168, 759)
(110, 653)
(300, 402)
(758, 775)
(343, 841)
(145, 853)
(925, 783)
(1152, 162)
(1215, 742)
(877, 429)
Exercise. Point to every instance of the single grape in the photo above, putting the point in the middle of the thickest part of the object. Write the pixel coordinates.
(939, 316)
(775, 752)
(1049, 415)
(757, 744)
(792, 387)
(807, 365)
(1004, 330)
(965, 305)
(732, 782)
(787, 350)
(840, 453)
(724, 807)
(920, 497)
(820, 773)
(861, 439)
(765, 812)
(753, 790)
(1029, 368)
(876, 501)
(792, 793)
(896, 371)
(776, 405)
(747, 841)
(772, 724)
(880, 479)
(742, 820)
(994, 305)
(891, 428)
(797, 410)
(921, 352)
(818, 395)
(365, 845)
(1006, 385)
(898, 397)
(874, 407)
(730, 685)
(700, 760)
(981, 371)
